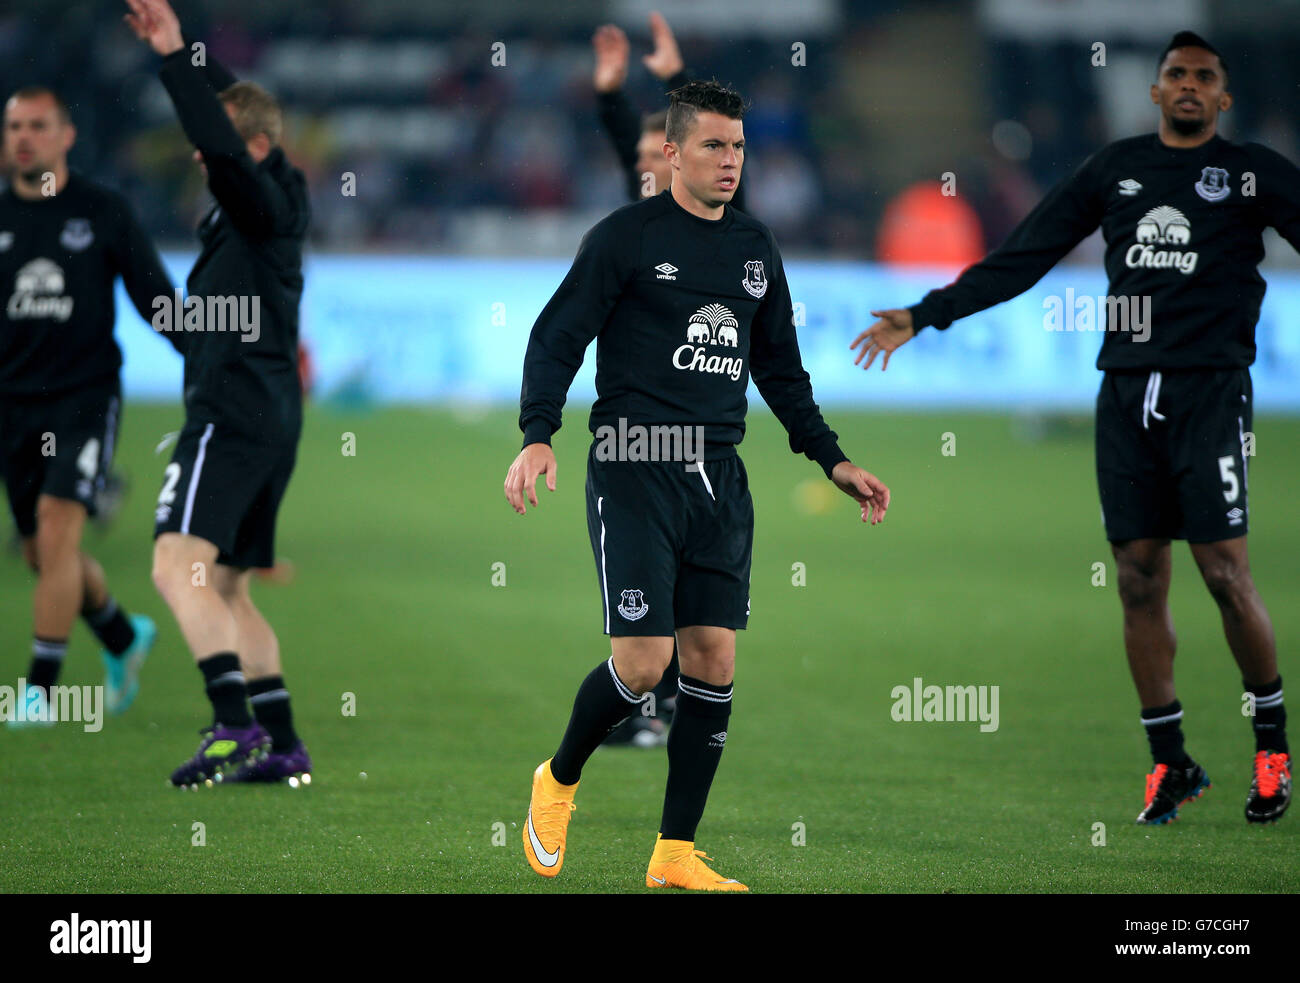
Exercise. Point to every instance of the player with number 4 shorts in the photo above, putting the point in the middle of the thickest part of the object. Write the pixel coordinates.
(64, 240)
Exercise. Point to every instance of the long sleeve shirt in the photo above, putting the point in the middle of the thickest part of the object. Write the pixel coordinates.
(59, 257)
(252, 242)
(683, 310)
(1183, 230)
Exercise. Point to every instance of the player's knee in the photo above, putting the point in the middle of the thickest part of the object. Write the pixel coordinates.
(1227, 581)
(640, 663)
(171, 572)
(644, 674)
(58, 528)
(1140, 588)
(713, 663)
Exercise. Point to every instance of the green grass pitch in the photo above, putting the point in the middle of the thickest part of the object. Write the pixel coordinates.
(982, 574)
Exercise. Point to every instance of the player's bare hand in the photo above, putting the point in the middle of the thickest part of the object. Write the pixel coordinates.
(666, 60)
(611, 47)
(154, 21)
(865, 488)
(521, 479)
(893, 330)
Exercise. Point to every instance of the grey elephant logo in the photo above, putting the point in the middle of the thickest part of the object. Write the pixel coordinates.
(1164, 225)
(713, 323)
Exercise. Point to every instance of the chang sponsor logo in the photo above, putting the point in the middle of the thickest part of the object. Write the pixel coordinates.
(1162, 226)
(38, 293)
(713, 325)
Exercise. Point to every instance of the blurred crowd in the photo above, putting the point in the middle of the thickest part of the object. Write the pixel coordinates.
(449, 149)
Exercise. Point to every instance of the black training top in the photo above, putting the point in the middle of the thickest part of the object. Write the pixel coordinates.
(1182, 227)
(251, 250)
(59, 257)
(685, 309)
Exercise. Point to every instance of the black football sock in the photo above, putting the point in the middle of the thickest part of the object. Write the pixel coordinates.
(225, 688)
(47, 661)
(1270, 716)
(271, 708)
(110, 626)
(1165, 733)
(695, 743)
(600, 706)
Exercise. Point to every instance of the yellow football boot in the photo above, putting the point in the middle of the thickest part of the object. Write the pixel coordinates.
(676, 863)
(548, 821)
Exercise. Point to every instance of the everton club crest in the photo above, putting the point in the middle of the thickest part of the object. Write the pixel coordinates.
(755, 279)
(633, 606)
(1213, 185)
(76, 235)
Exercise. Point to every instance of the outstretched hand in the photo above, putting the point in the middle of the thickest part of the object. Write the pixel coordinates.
(887, 335)
(863, 486)
(154, 21)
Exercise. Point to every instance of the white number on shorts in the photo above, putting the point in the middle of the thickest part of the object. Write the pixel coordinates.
(1230, 486)
(88, 459)
(170, 477)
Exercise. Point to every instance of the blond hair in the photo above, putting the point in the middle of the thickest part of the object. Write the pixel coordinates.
(256, 111)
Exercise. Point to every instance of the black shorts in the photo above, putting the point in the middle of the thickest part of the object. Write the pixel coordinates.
(226, 488)
(60, 446)
(672, 546)
(1171, 454)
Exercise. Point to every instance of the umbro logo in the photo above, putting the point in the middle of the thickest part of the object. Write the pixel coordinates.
(718, 739)
(1235, 516)
(666, 271)
(1129, 187)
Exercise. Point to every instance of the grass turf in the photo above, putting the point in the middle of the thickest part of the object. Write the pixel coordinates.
(982, 575)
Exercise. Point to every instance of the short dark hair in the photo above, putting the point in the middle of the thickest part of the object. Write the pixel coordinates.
(1190, 39)
(36, 92)
(698, 97)
(654, 122)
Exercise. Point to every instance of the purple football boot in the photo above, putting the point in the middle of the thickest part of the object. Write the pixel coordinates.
(222, 750)
(276, 766)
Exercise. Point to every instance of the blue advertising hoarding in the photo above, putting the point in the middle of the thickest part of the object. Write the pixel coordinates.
(439, 329)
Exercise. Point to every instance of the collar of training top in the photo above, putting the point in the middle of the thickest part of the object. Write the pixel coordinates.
(714, 224)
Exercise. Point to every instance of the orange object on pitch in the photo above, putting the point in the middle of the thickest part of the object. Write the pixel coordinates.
(925, 227)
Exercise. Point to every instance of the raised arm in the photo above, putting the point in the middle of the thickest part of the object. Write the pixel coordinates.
(618, 117)
(256, 204)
